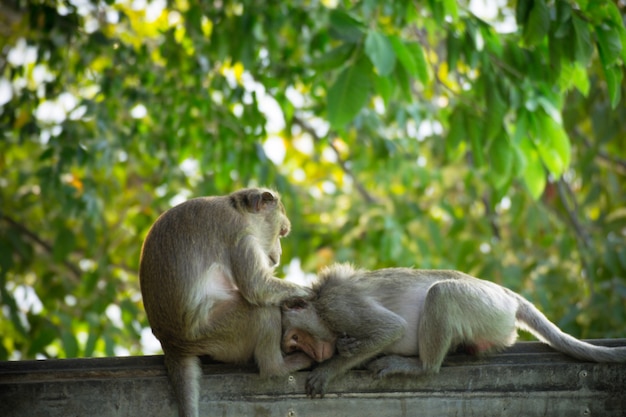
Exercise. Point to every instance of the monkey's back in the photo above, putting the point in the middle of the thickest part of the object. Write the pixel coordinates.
(181, 246)
(400, 290)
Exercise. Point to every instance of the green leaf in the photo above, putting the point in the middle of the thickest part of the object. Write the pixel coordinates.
(453, 46)
(583, 45)
(613, 13)
(45, 334)
(518, 162)
(493, 41)
(345, 27)
(420, 60)
(550, 108)
(90, 345)
(534, 173)
(70, 344)
(452, 9)
(553, 144)
(501, 156)
(496, 109)
(456, 135)
(616, 22)
(538, 23)
(380, 51)
(622, 36)
(436, 8)
(551, 160)
(404, 55)
(614, 77)
(563, 11)
(522, 9)
(609, 44)
(476, 136)
(384, 87)
(348, 95)
(610, 48)
(403, 83)
(6, 258)
(334, 58)
(64, 243)
(521, 127)
(574, 74)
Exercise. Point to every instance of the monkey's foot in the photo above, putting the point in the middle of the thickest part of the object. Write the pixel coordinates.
(395, 365)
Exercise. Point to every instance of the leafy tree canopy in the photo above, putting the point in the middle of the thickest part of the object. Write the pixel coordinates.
(485, 136)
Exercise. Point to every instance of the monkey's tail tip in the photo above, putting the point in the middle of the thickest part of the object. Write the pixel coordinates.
(536, 323)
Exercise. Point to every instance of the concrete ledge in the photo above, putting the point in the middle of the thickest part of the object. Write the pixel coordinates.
(529, 379)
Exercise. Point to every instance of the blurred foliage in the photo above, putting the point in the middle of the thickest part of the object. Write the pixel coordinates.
(434, 134)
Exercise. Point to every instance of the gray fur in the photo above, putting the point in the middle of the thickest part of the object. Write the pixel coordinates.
(403, 313)
(208, 287)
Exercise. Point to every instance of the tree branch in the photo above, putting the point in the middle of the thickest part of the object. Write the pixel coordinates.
(582, 236)
(491, 216)
(620, 163)
(45, 245)
(342, 163)
(564, 190)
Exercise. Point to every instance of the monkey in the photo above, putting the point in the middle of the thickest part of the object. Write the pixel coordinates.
(207, 281)
(386, 318)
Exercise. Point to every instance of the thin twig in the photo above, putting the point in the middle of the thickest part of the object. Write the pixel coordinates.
(621, 163)
(45, 245)
(583, 237)
(563, 189)
(342, 162)
(491, 216)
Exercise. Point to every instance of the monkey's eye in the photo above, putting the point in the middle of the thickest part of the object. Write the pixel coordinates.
(294, 337)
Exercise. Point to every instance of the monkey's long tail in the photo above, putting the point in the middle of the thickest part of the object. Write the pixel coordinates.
(535, 322)
(184, 373)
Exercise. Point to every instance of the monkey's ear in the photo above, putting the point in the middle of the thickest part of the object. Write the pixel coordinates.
(295, 304)
(258, 201)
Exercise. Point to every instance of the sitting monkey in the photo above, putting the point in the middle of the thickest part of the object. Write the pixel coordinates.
(402, 312)
(208, 287)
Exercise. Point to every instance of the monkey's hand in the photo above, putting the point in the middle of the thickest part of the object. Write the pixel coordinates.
(348, 346)
(317, 382)
(302, 292)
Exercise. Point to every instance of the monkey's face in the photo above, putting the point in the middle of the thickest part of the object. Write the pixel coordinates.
(304, 331)
(298, 340)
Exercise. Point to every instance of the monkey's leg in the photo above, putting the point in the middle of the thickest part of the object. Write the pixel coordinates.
(464, 312)
(184, 373)
(267, 352)
(436, 326)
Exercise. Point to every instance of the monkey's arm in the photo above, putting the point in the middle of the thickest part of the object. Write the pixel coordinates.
(369, 326)
(255, 278)
(267, 352)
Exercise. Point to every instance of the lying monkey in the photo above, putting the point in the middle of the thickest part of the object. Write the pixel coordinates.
(402, 312)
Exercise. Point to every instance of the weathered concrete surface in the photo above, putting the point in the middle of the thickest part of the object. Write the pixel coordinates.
(528, 380)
